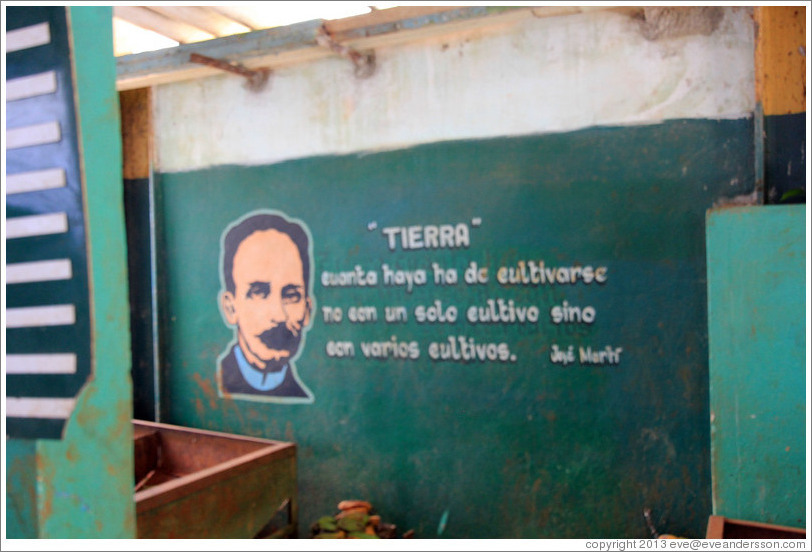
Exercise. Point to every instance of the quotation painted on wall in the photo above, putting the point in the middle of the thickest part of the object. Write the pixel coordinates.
(508, 296)
(502, 307)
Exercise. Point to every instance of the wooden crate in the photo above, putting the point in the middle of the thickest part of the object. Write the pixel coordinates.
(192, 483)
(720, 527)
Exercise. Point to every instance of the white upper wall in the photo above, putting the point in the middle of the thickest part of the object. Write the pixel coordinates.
(529, 77)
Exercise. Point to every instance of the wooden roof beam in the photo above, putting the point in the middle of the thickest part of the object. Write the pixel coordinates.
(152, 20)
(204, 18)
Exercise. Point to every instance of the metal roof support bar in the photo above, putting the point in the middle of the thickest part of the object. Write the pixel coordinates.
(256, 79)
(364, 63)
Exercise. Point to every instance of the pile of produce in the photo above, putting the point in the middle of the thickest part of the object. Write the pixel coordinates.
(355, 520)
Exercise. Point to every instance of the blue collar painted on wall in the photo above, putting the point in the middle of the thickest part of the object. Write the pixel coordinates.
(258, 379)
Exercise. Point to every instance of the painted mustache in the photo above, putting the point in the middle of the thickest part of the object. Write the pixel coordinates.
(279, 338)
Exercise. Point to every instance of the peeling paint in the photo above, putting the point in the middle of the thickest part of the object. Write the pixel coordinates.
(199, 409)
(21, 490)
(662, 23)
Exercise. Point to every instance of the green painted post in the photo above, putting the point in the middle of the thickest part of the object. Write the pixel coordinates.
(79, 484)
(757, 333)
(88, 475)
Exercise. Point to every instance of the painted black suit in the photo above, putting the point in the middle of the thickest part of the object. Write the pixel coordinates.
(232, 382)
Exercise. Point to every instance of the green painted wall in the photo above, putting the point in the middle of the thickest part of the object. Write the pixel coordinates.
(758, 379)
(524, 448)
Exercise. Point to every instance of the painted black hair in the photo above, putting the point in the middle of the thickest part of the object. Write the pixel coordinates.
(257, 223)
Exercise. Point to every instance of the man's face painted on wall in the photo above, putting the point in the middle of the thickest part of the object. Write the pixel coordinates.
(269, 305)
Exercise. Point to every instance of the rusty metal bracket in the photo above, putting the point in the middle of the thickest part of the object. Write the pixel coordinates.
(364, 62)
(255, 79)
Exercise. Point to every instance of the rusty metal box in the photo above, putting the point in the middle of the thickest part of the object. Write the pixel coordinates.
(192, 483)
(720, 527)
